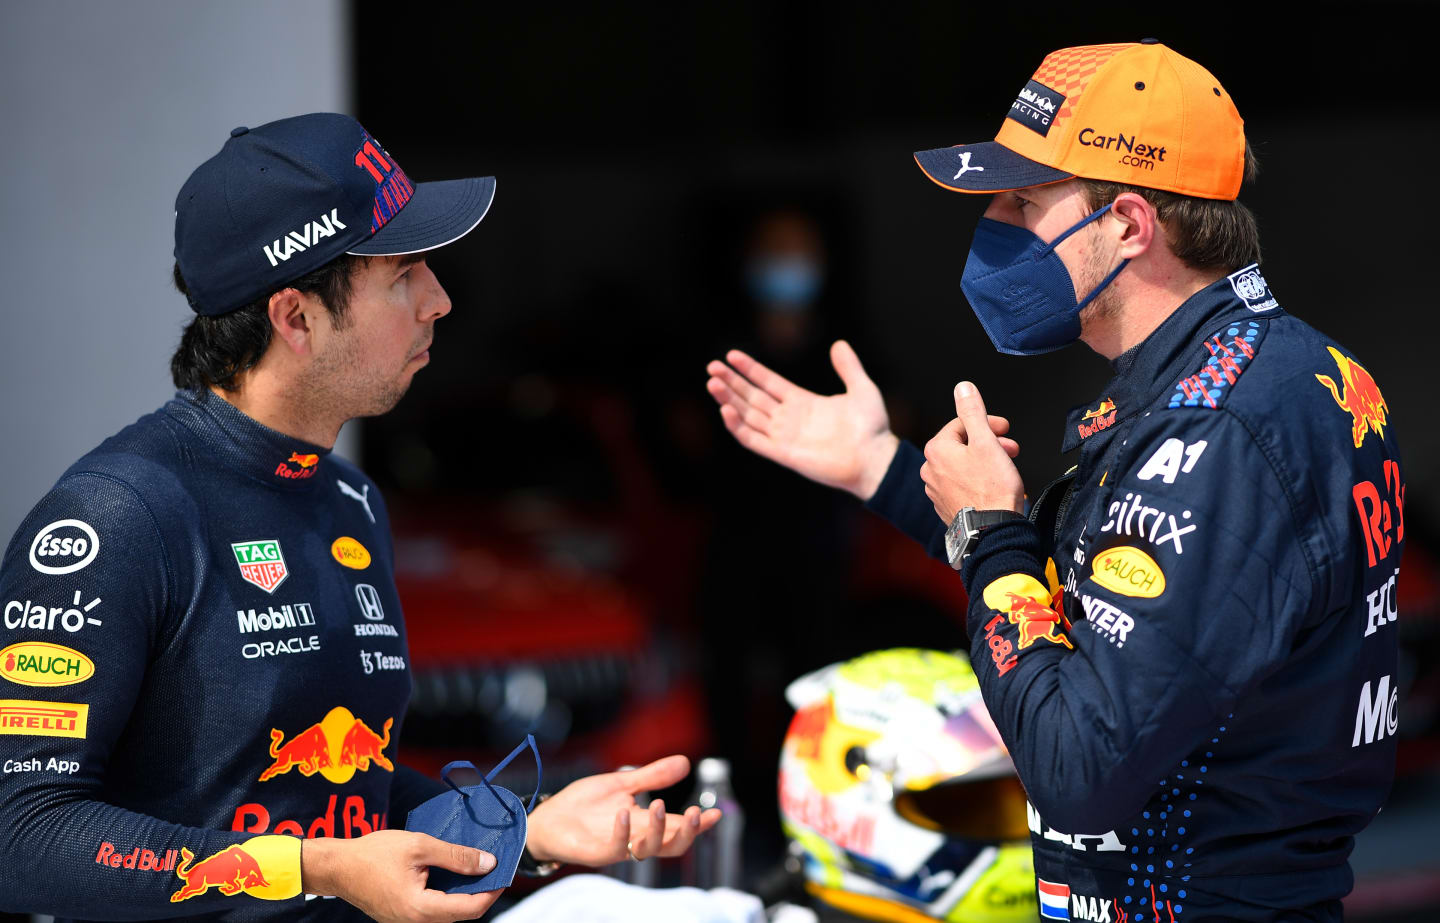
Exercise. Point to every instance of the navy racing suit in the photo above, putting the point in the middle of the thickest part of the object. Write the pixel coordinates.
(1190, 646)
(203, 661)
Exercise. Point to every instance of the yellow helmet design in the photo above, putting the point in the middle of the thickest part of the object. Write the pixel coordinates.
(896, 787)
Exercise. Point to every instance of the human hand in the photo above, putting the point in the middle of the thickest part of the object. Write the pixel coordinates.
(384, 874)
(839, 440)
(968, 463)
(595, 821)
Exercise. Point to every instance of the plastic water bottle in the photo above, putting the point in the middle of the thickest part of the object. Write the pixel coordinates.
(645, 873)
(715, 859)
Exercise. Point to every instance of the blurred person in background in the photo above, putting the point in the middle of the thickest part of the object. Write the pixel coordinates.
(1222, 560)
(201, 615)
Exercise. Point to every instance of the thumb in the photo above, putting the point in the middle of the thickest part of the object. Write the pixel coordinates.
(970, 408)
(847, 365)
(460, 859)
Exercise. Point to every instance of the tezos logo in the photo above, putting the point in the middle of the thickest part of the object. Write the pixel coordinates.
(378, 660)
(63, 547)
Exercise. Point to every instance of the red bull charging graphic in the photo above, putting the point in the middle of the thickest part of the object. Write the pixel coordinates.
(264, 867)
(306, 462)
(337, 748)
(1022, 601)
(232, 870)
(1362, 398)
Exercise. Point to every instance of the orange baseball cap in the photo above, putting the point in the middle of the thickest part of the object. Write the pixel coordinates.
(1135, 113)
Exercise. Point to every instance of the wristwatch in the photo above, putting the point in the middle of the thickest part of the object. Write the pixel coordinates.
(965, 530)
(527, 865)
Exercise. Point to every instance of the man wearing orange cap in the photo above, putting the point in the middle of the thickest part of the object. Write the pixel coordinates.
(1188, 643)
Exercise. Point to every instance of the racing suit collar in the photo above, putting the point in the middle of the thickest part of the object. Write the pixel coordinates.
(245, 445)
(1145, 370)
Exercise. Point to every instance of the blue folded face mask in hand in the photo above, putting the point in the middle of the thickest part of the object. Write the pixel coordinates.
(485, 817)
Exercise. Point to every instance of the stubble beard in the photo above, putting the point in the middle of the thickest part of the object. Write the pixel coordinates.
(345, 384)
(1105, 307)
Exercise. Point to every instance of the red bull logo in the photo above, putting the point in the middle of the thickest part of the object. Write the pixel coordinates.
(306, 462)
(232, 870)
(337, 748)
(1025, 603)
(1382, 515)
(1036, 620)
(1362, 399)
(1104, 417)
(143, 859)
(355, 819)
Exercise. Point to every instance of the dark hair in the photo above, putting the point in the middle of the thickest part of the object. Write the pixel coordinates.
(1203, 233)
(214, 350)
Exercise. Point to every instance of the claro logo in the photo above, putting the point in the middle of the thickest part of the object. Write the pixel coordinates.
(63, 547)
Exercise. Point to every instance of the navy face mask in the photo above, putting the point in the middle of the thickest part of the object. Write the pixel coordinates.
(485, 817)
(1020, 289)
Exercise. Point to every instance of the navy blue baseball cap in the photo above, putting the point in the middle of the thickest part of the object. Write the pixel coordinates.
(287, 197)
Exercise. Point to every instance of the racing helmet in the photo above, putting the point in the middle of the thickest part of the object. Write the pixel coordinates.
(898, 792)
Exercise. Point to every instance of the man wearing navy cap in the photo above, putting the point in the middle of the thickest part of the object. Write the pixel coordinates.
(191, 726)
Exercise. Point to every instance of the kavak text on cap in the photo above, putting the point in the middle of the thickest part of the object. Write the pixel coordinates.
(1135, 113)
(284, 199)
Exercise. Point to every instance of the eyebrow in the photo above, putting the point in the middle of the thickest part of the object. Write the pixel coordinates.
(411, 258)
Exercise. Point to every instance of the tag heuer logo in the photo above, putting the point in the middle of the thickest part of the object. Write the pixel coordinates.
(261, 563)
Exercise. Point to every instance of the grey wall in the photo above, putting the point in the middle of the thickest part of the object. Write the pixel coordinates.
(106, 108)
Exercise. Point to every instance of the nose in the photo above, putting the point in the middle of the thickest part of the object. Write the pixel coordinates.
(435, 304)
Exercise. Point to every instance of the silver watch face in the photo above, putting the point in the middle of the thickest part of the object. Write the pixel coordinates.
(957, 538)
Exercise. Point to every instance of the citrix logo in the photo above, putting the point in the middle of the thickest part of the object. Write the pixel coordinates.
(305, 238)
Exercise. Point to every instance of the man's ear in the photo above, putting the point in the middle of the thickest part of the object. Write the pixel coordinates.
(1140, 224)
(289, 312)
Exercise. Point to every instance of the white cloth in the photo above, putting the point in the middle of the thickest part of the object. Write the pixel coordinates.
(601, 899)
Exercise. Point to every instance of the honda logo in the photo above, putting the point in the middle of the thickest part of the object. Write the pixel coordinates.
(369, 602)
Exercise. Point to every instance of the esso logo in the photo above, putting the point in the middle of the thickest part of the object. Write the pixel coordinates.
(63, 547)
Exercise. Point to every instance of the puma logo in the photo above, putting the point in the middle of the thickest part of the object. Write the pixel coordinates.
(965, 165)
(362, 498)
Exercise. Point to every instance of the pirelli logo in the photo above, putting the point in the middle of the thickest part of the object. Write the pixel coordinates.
(43, 719)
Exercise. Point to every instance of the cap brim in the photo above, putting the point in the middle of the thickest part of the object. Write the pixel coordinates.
(437, 214)
(990, 167)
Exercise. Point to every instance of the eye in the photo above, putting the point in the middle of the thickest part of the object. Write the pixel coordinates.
(1021, 201)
